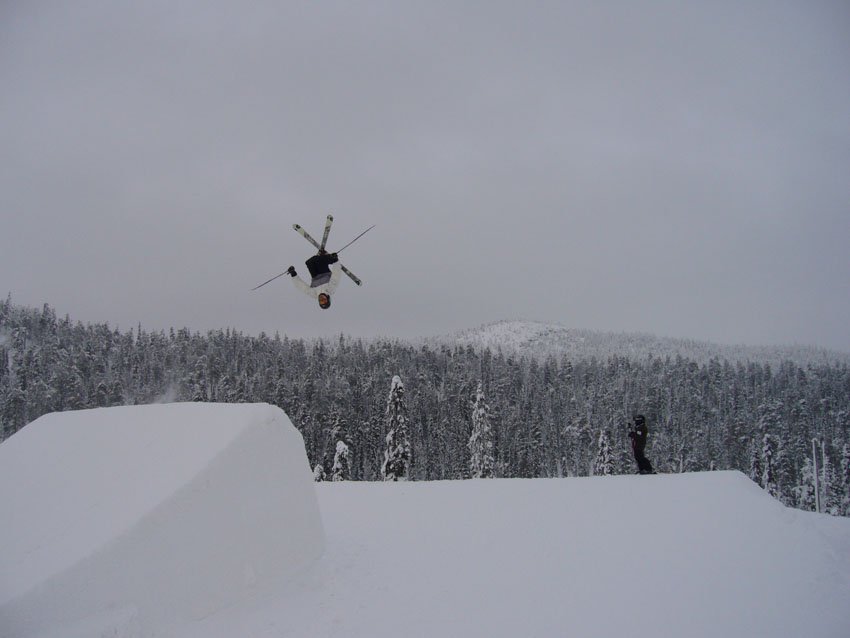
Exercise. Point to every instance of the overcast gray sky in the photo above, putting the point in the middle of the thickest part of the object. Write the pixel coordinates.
(677, 168)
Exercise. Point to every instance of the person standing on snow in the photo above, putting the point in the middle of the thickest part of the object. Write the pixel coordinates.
(638, 437)
(324, 280)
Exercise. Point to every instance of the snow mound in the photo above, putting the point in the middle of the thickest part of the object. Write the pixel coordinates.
(698, 555)
(132, 518)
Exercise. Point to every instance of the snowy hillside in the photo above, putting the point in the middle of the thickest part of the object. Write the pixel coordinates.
(704, 554)
(542, 339)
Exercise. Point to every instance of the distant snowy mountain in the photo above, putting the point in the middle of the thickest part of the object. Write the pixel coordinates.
(536, 339)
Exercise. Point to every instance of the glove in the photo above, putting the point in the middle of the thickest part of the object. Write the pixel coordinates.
(291, 271)
(334, 258)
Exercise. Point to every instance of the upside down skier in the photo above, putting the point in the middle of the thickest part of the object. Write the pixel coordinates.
(325, 268)
(323, 279)
(638, 437)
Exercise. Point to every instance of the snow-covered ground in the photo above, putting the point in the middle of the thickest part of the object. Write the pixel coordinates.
(677, 555)
(670, 555)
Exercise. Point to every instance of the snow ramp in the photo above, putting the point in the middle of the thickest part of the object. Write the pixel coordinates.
(128, 519)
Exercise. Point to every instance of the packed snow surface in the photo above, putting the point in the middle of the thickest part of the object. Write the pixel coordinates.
(695, 555)
(147, 515)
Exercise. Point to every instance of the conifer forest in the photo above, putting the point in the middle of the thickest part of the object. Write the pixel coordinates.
(465, 412)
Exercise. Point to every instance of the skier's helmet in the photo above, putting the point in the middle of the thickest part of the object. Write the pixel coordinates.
(324, 300)
(640, 420)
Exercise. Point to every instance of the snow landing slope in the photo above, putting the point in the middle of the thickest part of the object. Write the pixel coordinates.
(689, 555)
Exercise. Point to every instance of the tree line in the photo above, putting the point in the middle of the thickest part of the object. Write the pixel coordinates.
(466, 412)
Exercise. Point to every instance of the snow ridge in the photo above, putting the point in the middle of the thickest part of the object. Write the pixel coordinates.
(540, 340)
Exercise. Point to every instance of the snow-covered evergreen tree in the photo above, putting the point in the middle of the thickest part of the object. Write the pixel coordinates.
(845, 479)
(76, 397)
(481, 460)
(830, 500)
(604, 463)
(341, 468)
(318, 473)
(768, 479)
(224, 391)
(756, 473)
(784, 471)
(805, 491)
(396, 465)
(339, 431)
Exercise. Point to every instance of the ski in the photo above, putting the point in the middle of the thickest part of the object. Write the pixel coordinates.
(328, 222)
(306, 235)
(354, 277)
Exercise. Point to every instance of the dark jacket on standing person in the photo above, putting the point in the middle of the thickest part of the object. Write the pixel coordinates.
(638, 437)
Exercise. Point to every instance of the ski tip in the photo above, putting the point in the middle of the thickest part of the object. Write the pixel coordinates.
(296, 226)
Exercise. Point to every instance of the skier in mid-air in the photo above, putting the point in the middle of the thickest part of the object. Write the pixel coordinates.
(638, 437)
(324, 279)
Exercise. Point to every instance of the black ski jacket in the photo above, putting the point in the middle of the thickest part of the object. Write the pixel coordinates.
(638, 437)
(320, 264)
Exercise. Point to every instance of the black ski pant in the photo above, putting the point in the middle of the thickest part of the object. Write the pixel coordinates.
(644, 466)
